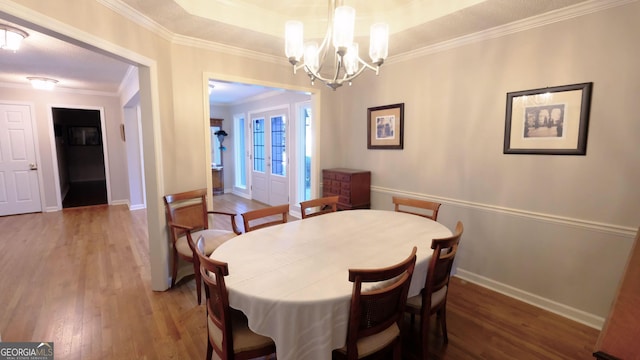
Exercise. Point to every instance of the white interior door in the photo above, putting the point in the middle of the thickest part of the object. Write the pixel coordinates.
(269, 170)
(19, 188)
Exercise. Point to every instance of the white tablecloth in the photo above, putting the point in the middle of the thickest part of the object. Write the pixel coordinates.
(291, 280)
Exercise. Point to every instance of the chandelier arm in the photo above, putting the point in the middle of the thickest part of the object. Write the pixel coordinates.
(335, 82)
(332, 83)
(348, 77)
(310, 73)
(370, 67)
(324, 46)
(339, 65)
(314, 75)
(298, 67)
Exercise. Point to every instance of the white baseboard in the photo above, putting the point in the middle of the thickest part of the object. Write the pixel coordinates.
(137, 207)
(242, 195)
(580, 316)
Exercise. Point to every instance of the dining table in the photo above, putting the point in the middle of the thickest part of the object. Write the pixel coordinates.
(291, 280)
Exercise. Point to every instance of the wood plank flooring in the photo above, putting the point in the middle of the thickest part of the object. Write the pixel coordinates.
(80, 278)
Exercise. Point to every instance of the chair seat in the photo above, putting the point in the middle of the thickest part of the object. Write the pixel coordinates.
(372, 344)
(243, 338)
(415, 302)
(212, 237)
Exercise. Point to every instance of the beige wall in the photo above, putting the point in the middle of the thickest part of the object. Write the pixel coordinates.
(172, 97)
(42, 102)
(552, 230)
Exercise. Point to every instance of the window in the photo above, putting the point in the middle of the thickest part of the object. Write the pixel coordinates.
(240, 158)
(304, 150)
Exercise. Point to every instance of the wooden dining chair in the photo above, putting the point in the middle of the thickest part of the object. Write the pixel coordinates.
(269, 216)
(227, 328)
(375, 314)
(433, 298)
(319, 206)
(424, 208)
(187, 216)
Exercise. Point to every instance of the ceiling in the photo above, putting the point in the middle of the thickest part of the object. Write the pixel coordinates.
(256, 25)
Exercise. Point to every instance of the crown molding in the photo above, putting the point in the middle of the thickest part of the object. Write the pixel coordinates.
(574, 11)
(177, 39)
(227, 49)
(263, 96)
(551, 17)
(58, 89)
(135, 16)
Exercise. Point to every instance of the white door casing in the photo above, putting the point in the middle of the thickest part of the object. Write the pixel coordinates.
(19, 186)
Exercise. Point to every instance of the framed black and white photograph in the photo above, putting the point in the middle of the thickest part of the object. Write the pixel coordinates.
(552, 121)
(385, 127)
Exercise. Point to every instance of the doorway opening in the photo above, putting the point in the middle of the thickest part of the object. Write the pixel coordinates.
(270, 158)
(80, 153)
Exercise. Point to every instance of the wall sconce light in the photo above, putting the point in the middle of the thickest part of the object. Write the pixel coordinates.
(42, 83)
(10, 37)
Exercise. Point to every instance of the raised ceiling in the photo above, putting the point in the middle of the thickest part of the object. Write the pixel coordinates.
(258, 26)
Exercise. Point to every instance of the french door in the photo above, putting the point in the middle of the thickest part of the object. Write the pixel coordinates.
(269, 169)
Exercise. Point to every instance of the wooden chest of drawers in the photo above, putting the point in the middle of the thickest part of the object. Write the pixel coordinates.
(353, 187)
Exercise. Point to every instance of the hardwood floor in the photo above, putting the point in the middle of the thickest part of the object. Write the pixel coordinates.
(80, 278)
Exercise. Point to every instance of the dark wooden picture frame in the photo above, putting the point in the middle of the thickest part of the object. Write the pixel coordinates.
(385, 127)
(84, 136)
(548, 121)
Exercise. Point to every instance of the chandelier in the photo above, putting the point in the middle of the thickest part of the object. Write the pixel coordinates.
(11, 37)
(347, 64)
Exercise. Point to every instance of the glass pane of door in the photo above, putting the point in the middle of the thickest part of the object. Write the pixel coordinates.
(278, 146)
(258, 145)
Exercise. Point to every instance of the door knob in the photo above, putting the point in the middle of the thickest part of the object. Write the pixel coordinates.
(33, 166)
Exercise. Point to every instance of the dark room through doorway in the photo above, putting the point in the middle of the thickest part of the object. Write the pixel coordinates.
(79, 148)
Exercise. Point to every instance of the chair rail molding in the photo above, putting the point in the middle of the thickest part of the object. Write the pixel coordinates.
(612, 229)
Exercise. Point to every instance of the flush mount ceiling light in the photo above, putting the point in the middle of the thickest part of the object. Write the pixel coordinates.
(42, 83)
(10, 37)
(347, 63)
